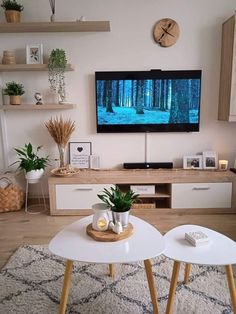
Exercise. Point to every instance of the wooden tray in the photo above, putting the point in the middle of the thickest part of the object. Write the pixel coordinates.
(109, 235)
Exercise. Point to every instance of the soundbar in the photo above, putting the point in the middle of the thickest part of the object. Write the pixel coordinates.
(147, 165)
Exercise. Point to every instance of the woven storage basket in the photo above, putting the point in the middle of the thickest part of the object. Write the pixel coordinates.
(11, 196)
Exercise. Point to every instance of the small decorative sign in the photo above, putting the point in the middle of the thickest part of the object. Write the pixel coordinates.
(79, 153)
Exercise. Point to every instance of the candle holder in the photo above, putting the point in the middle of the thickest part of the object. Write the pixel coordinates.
(101, 217)
(223, 165)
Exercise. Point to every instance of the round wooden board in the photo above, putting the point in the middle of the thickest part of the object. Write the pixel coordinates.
(109, 235)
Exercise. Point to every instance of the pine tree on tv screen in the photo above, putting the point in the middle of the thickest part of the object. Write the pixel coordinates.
(148, 101)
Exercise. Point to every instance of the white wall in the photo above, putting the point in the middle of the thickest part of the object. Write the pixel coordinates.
(129, 46)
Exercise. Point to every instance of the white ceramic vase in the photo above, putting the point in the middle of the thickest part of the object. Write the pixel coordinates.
(34, 176)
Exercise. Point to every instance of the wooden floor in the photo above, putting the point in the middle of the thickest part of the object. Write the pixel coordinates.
(17, 228)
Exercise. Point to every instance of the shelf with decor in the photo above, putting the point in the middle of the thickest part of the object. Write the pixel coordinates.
(46, 27)
(37, 107)
(29, 67)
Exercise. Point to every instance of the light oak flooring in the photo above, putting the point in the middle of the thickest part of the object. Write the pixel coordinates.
(17, 228)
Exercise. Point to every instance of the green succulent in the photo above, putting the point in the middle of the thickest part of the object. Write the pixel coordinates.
(13, 89)
(29, 160)
(12, 5)
(116, 199)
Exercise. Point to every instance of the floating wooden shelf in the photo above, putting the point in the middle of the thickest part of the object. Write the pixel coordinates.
(29, 67)
(38, 107)
(45, 27)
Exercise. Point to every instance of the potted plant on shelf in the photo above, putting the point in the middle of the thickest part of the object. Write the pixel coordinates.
(12, 10)
(120, 203)
(14, 90)
(56, 73)
(31, 163)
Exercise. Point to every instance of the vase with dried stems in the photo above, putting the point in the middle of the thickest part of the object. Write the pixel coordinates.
(53, 7)
(61, 131)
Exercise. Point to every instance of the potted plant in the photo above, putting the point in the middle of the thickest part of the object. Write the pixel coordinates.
(56, 72)
(119, 202)
(14, 90)
(12, 10)
(31, 163)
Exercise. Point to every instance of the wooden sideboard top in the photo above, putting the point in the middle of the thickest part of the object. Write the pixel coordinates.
(143, 176)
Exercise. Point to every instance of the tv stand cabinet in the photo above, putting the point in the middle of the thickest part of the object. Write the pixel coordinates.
(173, 189)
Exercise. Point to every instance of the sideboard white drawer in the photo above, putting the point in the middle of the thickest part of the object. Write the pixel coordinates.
(78, 196)
(201, 195)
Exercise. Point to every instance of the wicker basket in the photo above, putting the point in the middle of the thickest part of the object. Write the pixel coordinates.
(11, 196)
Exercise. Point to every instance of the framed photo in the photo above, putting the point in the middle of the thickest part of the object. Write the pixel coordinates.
(34, 54)
(210, 160)
(79, 154)
(192, 162)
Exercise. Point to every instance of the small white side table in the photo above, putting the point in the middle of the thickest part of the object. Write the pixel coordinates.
(219, 251)
(28, 209)
(74, 244)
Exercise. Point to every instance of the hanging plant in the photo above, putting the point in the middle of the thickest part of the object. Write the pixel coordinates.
(56, 72)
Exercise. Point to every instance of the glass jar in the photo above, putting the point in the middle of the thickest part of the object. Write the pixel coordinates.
(101, 217)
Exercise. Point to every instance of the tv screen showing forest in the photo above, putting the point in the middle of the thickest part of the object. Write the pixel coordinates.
(148, 104)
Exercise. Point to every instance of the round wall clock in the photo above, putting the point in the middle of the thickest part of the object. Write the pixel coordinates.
(166, 32)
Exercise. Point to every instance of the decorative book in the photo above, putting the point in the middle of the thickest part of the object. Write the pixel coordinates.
(196, 238)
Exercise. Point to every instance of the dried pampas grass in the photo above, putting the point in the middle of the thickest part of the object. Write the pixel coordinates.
(60, 130)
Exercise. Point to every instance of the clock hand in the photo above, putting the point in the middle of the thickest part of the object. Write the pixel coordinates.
(167, 32)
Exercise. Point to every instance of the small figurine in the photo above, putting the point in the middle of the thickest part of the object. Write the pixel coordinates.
(38, 97)
(117, 227)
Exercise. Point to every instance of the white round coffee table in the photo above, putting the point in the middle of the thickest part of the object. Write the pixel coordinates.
(219, 251)
(73, 244)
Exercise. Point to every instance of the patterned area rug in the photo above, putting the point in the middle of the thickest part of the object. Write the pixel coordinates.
(31, 283)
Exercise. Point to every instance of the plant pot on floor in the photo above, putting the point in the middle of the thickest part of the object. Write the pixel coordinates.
(12, 16)
(15, 100)
(34, 176)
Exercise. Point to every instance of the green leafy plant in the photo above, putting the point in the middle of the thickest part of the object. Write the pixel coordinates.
(13, 89)
(56, 68)
(12, 5)
(29, 160)
(116, 199)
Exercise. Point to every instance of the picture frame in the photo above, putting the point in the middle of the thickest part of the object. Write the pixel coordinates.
(34, 54)
(192, 162)
(79, 154)
(210, 160)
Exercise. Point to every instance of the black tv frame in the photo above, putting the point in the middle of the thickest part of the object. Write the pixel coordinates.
(142, 75)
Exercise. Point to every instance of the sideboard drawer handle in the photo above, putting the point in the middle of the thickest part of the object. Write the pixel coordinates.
(84, 189)
(203, 188)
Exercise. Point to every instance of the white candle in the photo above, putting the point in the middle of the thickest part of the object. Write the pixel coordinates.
(223, 165)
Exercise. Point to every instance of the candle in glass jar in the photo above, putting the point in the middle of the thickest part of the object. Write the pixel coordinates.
(223, 165)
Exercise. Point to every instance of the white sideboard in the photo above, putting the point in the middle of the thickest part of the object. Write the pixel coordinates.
(173, 188)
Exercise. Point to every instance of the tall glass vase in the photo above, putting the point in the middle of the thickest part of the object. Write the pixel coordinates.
(61, 149)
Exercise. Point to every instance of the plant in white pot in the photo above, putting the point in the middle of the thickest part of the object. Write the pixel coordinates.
(31, 163)
(56, 73)
(14, 90)
(120, 203)
(12, 10)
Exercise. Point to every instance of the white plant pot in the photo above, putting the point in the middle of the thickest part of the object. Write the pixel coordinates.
(34, 176)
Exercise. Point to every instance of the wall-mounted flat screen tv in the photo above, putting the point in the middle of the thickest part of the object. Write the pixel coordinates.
(148, 101)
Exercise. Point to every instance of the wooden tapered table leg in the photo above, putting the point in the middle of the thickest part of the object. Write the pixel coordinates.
(111, 270)
(231, 283)
(151, 284)
(173, 284)
(66, 287)
(186, 273)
